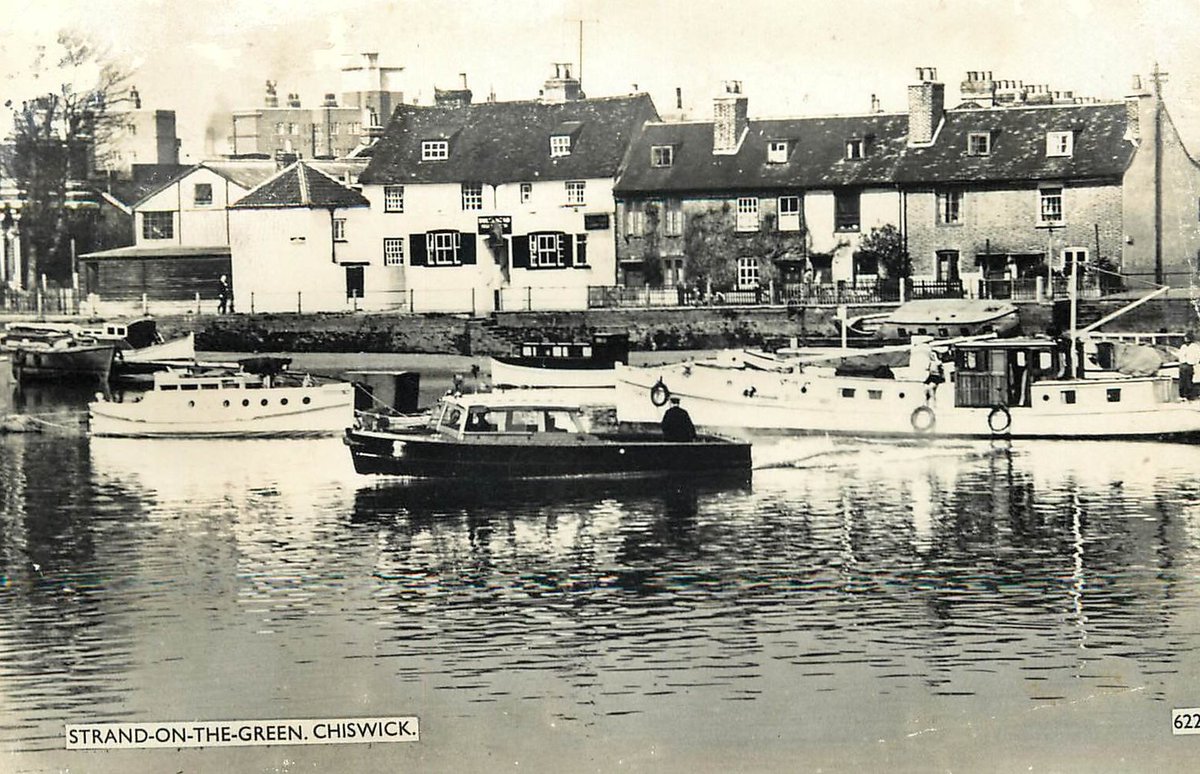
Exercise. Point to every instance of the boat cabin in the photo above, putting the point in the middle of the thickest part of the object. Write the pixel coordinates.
(1003, 372)
(605, 348)
(478, 417)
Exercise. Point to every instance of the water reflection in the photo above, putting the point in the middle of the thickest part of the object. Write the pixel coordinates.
(154, 579)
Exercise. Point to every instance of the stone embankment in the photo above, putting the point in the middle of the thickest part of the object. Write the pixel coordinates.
(649, 329)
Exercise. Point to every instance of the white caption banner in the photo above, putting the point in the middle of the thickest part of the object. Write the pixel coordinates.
(241, 733)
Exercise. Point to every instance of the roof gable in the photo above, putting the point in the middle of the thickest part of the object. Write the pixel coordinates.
(301, 185)
(498, 142)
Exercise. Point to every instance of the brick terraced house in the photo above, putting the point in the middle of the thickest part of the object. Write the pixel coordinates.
(1000, 188)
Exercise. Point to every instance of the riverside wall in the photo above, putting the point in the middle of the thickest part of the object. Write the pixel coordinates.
(649, 329)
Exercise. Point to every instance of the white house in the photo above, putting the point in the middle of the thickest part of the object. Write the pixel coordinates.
(502, 205)
(181, 237)
(298, 244)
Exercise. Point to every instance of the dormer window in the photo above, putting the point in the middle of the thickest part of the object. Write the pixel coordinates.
(979, 144)
(662, 155)
(435, 150)
(560, 145)
(854, 148)
(777, 152)
(1060, 143)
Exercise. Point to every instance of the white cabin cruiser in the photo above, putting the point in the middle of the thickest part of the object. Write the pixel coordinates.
(228, 402)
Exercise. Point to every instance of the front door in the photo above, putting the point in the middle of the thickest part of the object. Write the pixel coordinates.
(354, 282)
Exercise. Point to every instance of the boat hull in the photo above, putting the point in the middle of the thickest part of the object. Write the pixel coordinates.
(511, 372)
(433, 457)
(324, 410)
(740, 400)
(63, 363)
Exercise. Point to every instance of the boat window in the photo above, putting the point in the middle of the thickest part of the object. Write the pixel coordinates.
(902, 332)
(283, 401)
(229, 383)
(210, 386)
(1045, 361)
(847, 392)
(1114, 395)
(1068, 396)
(560, 421)
(560, 351)
(875, 394)
(189, 386)
(523, 421)
(245, 401)
(586, 351)
(451, 417)
(944, 332)
(480, 421)
(1022, 359)
(169, 387)
(307, 400)
(264, 401)
(528, 351)
(964, 331)
(225, 403)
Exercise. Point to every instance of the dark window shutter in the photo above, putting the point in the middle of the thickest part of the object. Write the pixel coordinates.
(417, 250)
(520, 251)
(581, 249)
(566, 250)
(466, 248)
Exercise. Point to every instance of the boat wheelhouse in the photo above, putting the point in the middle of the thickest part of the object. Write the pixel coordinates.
(511, 436)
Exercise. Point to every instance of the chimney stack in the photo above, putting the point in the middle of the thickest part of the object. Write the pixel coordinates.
(926, 104)
(1138, 97)
(562, 87)
(330, 101)
(293, 100)
(137, 98)
(730, 120)
(272, 99)
(678, 98)
(979, 88)
(875, 104)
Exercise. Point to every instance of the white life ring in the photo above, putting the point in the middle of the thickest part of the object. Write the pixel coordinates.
(999, 419)
(660, 394)
(923, 419)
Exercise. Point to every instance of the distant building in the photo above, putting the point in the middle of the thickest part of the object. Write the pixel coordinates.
(331, 130)
(501, 205)
(139, 137)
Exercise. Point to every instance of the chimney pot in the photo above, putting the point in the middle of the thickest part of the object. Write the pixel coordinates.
(463, 79)
(678, 98)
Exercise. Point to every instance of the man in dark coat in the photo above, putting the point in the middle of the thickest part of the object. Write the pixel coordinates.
(677, 423)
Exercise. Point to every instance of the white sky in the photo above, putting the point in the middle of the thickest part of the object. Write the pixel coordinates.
(794, 57)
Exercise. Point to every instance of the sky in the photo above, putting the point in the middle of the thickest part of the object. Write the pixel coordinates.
(205, 58)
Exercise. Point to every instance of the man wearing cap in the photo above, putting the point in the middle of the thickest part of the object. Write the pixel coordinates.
(677, 423)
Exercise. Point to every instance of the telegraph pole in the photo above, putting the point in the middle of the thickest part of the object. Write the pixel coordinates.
(1159, 78)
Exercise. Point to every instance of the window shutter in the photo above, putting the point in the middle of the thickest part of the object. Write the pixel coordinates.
(566, 250)
(581, 249)
(418, 249)
(466, 248)
(520, 251)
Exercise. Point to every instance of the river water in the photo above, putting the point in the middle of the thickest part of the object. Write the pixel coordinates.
(856, 606)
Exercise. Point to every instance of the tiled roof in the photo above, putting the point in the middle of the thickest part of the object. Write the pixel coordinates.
(816, 155)
(498, 142)
(146, 178)
(301, 185)
(243, 173)
(1018, 145)
(817, 150)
